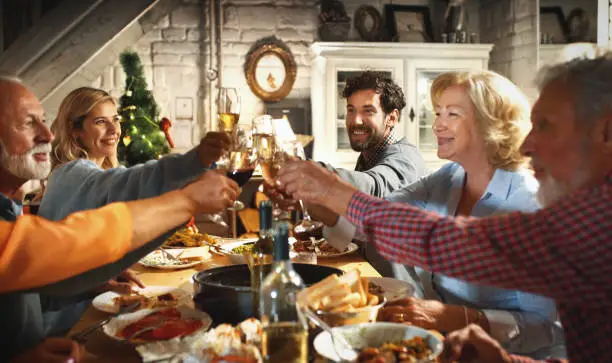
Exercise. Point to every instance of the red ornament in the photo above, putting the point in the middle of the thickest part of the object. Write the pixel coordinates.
(165, 124)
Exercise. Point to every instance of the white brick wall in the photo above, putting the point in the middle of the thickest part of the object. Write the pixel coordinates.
(171, 55)
(175, 52)
(245, 22)
(512, 26)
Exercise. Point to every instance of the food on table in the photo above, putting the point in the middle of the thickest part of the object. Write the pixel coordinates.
(320, 246)
(159, 259)
(346, 293)
(247, 247)
(165, 324)
(226, 343)
(188, 237)
(146, 302)
(408, 351)
(375, 289)
(304, 230)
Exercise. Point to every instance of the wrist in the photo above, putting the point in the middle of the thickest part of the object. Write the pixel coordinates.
(184, 203)
(338, 197)
(475, 316)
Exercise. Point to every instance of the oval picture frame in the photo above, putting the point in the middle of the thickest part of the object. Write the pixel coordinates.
(265, 76)
(362, 15)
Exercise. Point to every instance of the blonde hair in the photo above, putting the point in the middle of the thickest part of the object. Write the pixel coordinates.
(502, 113)
(72, 112)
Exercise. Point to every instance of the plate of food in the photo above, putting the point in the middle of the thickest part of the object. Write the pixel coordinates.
(391, 289)
(322, 248)
(189, 237)
(234, 248)
(384, 341)
(225, 343)
(150, 297)
(152, 325)
(157, 259)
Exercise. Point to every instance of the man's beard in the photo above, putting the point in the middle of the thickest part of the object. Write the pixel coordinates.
(24, 166)
(373, 139)
(552, 190)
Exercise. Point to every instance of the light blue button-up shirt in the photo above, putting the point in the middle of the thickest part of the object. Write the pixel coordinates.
(524, 323)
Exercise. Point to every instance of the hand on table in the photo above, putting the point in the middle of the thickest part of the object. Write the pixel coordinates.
(427, 314)
(53, 350)
(472, 344)
(124, 282)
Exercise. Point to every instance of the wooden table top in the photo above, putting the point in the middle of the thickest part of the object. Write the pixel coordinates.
(105, 349)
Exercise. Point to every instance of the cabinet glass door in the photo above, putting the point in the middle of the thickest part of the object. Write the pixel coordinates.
(343, 142)
(425, 111)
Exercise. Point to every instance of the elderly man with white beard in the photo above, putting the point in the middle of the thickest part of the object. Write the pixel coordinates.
(563, 251)
(25, 144)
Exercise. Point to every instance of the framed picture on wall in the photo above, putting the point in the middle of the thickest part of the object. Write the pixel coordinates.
(408, 23)
(552, 24)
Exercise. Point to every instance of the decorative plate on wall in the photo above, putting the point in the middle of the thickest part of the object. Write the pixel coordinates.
(368, 23)
(270, 69)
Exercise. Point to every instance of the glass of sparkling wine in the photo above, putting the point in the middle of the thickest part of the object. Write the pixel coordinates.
(228, 108)
(228, 115)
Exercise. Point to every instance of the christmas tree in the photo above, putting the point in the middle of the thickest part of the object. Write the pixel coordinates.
(144, 137)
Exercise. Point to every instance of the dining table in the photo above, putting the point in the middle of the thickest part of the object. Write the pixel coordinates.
(101, 348)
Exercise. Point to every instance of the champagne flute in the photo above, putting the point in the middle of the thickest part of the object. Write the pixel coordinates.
(228, 111)
(228, 114)
(307, 226)
(228, 108)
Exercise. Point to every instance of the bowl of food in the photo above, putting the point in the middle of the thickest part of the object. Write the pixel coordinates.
(395, 342)
(342, 300)
(234, 249)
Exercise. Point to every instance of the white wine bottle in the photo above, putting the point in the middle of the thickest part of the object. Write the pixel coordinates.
(285, 331)
(261, 257)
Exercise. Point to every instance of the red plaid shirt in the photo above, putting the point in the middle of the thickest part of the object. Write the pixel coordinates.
(564, 252)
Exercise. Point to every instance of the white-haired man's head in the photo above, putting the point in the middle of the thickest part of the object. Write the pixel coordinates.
(25, 138)
(570, 142)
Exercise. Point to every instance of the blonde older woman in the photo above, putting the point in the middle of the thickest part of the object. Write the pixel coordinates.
(85, 176)
(481, 119)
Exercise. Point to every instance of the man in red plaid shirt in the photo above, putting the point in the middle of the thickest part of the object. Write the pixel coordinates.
(563, 251)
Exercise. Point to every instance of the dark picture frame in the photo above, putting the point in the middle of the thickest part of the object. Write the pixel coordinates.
(398, 17)
(552, 23)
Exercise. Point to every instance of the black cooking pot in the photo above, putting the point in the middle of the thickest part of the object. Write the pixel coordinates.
(225, 292)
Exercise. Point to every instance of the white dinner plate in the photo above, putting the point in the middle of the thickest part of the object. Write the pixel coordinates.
(105, 301)
(393, 289)
(351, 248)
(153, 259)
(116, 324)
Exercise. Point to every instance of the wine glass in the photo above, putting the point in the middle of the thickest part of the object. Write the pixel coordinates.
(228, 108)
(228, 114)
(307, 226)
(241, 160)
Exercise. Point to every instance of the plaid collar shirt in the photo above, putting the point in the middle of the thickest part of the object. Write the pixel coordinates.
(369, 158)
(563, 251)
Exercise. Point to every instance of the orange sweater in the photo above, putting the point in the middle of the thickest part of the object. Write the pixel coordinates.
(36, 252)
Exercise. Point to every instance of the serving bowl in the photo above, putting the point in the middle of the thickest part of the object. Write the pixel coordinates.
(361, 336)
(225, 292)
